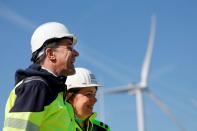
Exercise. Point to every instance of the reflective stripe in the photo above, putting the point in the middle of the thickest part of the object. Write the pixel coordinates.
(35, 78)
(20, 124)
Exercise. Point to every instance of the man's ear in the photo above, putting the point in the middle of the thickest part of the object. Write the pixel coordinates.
(50, 54)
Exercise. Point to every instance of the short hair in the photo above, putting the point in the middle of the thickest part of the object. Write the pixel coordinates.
(39, 56)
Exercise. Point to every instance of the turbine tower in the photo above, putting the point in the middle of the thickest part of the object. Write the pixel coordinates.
(141, 87)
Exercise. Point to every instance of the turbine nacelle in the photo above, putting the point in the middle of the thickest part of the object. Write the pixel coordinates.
(142, 85)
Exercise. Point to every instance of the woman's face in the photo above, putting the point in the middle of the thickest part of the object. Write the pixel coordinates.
(83, 102)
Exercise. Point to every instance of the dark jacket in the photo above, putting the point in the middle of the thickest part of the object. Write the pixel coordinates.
(37, 102)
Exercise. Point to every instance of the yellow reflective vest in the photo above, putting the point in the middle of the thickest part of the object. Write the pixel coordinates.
(56, 116)
(93, 125)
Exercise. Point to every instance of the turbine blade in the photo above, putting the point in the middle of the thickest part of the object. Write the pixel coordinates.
(122, 89)
(147, 59)
(165, 109)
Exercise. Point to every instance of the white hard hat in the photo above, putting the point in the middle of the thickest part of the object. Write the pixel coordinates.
(81, 79)
(48, 31)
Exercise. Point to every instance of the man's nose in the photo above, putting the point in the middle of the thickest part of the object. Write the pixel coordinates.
(75, 52)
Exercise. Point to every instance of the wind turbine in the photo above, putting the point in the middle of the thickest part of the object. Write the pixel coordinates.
(141, 87)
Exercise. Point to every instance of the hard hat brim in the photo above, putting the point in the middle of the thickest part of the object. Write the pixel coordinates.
(85, 86)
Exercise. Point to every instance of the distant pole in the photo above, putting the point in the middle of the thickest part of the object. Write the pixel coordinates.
(101, 104)
(139, 109)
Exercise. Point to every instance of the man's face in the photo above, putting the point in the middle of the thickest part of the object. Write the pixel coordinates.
(65, 57)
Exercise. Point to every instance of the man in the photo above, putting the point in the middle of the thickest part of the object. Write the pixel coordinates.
(81, 94)
(37, 102)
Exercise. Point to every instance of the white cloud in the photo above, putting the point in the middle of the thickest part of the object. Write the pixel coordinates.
(15, 18)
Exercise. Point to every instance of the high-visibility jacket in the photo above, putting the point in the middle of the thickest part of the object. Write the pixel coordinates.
(35, 106)
(93, 125)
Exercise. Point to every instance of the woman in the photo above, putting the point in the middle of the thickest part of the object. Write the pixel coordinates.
(81, 94)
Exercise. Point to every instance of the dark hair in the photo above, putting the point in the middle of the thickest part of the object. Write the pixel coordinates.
(73, 90)
(51, 43)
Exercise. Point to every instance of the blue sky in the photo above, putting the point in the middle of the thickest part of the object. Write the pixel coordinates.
(112, 39)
